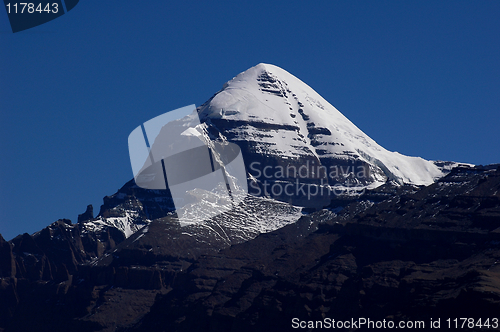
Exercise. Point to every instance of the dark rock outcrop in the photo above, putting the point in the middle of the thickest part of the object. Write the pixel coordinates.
(7, 260)
(87, 215)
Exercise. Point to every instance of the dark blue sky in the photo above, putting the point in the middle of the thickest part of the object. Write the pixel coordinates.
(420, 77)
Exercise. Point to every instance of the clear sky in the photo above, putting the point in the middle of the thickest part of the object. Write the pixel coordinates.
(419, 77)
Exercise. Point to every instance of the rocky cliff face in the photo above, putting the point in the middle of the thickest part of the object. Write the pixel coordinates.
(394, 253)
(420, 254)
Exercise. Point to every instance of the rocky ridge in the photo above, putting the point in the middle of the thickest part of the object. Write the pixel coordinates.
(437, 256)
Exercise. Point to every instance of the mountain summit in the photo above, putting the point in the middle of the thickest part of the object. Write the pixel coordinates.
(282, 124)
(297, 149)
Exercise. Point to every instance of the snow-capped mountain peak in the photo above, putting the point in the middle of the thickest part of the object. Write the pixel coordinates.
(297, 149)
(274, 113)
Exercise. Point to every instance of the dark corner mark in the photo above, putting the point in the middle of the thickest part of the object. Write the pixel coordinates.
(26, 15)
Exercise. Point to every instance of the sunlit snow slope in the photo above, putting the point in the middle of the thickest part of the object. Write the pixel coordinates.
(273, 113)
